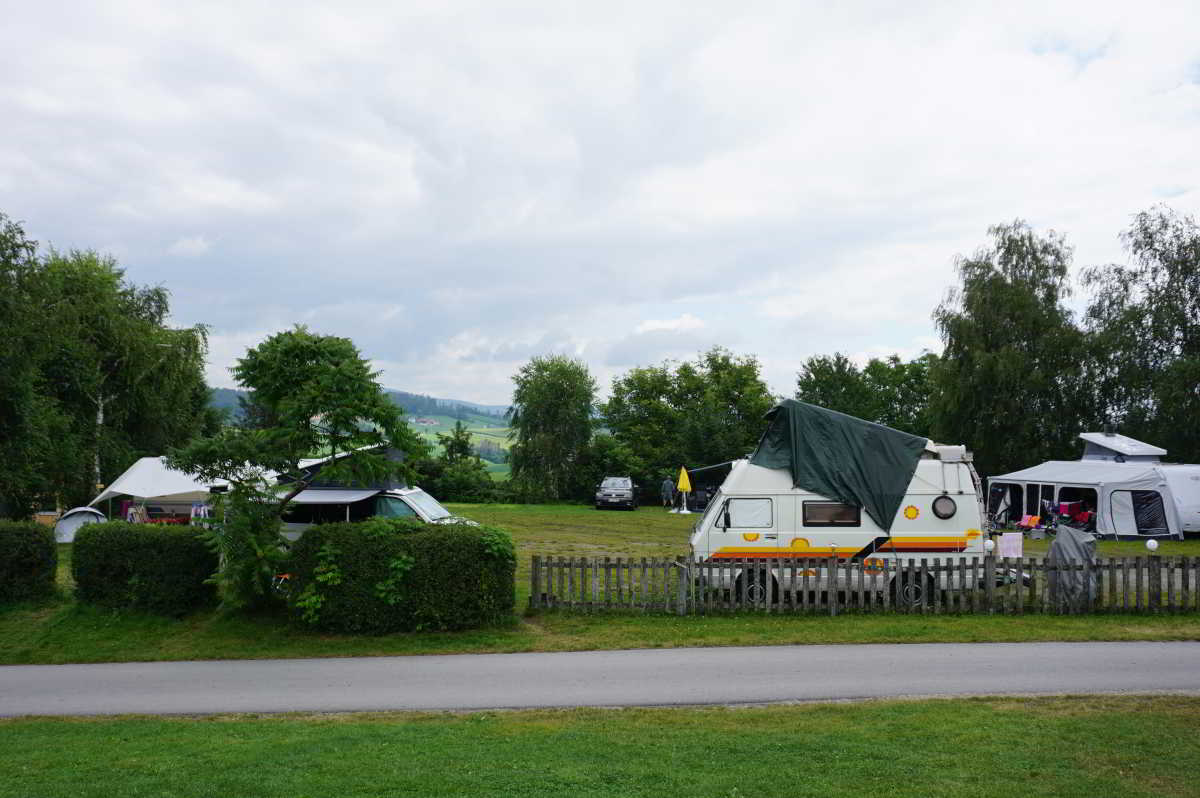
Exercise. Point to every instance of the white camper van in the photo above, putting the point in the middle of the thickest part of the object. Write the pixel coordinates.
(815, 482)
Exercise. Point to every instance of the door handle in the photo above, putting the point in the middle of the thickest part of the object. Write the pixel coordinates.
(771, 537)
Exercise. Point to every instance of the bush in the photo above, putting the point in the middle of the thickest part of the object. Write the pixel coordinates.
(163, 569)
(28, 560)
(383, 576)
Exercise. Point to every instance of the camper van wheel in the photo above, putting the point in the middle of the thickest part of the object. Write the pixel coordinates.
(911, 592)
(759, 590)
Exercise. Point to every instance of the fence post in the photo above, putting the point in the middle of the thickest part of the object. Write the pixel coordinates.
(989, 585)
(831, 578)
(535, 583)
(681, 605)
(1155, 587)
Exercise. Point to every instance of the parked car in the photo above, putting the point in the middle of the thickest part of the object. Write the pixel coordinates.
(616, 492)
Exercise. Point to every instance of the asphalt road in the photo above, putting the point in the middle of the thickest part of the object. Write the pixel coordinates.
(599, 678)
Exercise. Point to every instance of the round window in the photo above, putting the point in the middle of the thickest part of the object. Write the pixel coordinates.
(944, 507)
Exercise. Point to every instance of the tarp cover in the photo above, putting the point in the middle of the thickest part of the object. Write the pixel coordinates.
(842, 457)
(1070, 588)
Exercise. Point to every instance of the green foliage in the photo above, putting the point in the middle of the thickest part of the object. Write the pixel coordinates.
(28, 561)
(246, 535)
(466, 480)
(383, 576)
(91, 376)
(1145, 319)
(695, 413)
(888, 391)
(457, 445)
(314, 395)
(1012, 382)
(162, 569)
(551, 420)
(606, 456)
(456, 475)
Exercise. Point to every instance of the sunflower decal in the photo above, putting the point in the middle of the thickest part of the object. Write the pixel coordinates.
(911, 512)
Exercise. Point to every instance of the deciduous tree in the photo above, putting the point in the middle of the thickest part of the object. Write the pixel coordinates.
(1145, 318)
(551, 424)
(695, 413)
(1011, 382)
(324, 401)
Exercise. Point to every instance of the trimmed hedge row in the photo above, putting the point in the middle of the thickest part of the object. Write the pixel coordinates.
(149, 567)
(28, 560)
(390, 575)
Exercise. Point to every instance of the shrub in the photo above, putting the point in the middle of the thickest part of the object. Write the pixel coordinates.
(163, 569)
(28, 560)
(383, 576)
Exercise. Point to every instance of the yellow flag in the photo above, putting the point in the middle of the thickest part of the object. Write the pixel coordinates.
(685, 484)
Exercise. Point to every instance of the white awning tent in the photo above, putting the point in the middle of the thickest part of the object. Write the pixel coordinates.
(149, 479)
(1131, 500)
(71, 520)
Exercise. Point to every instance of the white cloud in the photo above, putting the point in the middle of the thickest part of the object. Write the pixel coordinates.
(189, 247)
(680, 324)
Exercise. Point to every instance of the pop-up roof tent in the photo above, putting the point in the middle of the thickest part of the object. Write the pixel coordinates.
(1121, 480)
(845, 458)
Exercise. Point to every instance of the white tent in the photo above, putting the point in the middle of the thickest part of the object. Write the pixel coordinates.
(1130, 499)
(71, 520)
(150, 480)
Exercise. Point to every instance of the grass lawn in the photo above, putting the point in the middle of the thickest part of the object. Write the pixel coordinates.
(59, 630)
(1093, 746)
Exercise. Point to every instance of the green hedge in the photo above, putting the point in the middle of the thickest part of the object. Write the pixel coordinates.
(28, 560)
(150, 567)
(383, 576)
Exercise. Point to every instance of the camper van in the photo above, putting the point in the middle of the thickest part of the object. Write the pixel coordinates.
(769, 506)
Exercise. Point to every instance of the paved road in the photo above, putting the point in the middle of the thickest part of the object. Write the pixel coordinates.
(604, 678)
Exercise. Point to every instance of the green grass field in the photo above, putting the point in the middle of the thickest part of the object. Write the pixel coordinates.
(1085, 747)
(59, 630)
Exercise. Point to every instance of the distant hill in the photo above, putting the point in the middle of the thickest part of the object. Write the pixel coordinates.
(414, 404)
(429, 416)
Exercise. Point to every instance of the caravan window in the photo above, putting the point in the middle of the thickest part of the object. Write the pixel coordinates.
(1138, 510)
(748, 512)
(831, 514)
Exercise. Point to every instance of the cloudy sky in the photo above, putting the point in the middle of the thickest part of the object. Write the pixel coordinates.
(460, 186)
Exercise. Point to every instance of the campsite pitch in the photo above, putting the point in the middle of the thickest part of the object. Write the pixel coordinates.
(59, 630)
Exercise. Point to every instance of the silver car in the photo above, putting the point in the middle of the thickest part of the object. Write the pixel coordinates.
(616, 492)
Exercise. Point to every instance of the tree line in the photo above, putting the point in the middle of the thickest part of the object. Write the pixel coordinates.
(1021, 374)
(91, 374)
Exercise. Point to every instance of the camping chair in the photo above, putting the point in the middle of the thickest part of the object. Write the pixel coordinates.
(1029, 521)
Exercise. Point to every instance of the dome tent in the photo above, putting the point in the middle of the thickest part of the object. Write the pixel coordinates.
(66, 526)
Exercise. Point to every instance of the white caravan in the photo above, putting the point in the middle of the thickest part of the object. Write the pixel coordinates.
(761, 512)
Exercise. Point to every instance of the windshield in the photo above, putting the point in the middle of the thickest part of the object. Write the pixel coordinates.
(427, 504)
(713, 503)
(616, 482)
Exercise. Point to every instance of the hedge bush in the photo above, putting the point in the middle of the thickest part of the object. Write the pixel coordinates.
(391, 575)
(28, 561)
(151, 567)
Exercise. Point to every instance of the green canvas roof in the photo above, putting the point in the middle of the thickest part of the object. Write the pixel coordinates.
(841, 457)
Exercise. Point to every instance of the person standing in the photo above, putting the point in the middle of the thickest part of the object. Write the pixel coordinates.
(668, 493)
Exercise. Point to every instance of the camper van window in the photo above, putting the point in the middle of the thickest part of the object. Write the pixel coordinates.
(749, 512)
(831, 514)
(392, 507)
(428, 505)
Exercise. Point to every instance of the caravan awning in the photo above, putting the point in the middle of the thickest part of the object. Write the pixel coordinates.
(1083, 472)
(331, 496)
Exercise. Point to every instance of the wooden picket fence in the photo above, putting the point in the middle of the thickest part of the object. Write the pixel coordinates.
(830, 586)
